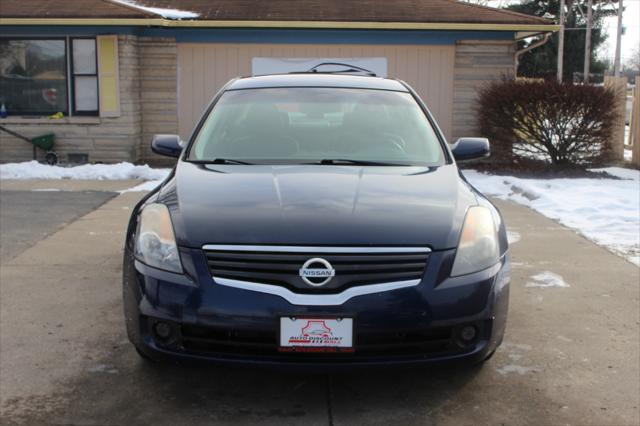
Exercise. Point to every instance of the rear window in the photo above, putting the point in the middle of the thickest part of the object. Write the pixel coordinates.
(305, 125)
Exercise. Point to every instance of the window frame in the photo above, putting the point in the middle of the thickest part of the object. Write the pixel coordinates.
(71, 110)
(72, 79)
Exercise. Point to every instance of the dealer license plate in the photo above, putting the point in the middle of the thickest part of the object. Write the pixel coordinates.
(316, 334)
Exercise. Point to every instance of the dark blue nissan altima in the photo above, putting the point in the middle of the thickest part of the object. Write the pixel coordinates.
(316, 219)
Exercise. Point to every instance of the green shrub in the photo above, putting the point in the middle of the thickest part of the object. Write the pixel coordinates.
(562, 123)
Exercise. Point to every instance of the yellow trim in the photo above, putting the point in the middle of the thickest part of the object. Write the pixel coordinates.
(108, 75)
(281, 24)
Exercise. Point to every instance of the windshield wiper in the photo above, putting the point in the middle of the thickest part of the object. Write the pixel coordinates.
(338, 161)
(324, 162)
(221, 161)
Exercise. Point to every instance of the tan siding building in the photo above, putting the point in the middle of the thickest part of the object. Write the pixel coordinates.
(204, 68)
(169, 70)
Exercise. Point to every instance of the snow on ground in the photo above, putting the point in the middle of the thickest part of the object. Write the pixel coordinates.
(35, 170)
(165, 13)
(620, 172)
(516, 369)
(146, 186)
(606, 211)
(513, 237)
(546, 279)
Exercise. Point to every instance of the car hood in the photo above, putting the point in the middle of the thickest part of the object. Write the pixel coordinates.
(317, 205)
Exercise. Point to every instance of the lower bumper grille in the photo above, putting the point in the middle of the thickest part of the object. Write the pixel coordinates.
(263, 343)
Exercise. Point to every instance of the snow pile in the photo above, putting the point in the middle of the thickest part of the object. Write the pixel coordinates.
(120, 171)
(619, 172)
(606, 211)
(547, 279)
(165, 13)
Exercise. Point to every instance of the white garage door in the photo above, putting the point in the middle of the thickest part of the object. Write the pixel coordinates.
(204, 68)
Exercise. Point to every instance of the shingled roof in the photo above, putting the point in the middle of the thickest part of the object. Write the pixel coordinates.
(77, 9)
(396, 11)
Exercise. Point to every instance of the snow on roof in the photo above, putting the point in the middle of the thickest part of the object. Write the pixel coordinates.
(165, 13)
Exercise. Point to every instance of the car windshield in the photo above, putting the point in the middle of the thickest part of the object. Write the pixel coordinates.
(317, 126)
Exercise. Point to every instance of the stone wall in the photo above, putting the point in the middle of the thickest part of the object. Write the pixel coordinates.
(159, 92)
(476, 63)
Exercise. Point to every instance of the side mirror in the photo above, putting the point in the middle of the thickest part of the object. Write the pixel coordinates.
(167, 145)
(471, 148)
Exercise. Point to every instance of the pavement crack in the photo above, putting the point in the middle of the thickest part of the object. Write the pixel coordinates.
(329, 403)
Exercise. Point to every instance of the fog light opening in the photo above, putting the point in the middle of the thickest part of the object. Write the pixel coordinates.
(468, 333)
(162, 330)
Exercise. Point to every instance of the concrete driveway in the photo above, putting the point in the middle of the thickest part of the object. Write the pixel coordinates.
(571, 355)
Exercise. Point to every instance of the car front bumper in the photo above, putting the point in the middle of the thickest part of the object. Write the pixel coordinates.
(415, 325)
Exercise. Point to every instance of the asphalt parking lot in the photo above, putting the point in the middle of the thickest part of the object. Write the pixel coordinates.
(571, 355)
(29, 216)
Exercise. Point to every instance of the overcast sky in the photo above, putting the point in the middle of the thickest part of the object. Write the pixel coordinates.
(631, 23)
(630, 20)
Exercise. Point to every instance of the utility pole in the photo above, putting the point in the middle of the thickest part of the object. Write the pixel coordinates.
(616, 66)
(561, 42)
(587, 44)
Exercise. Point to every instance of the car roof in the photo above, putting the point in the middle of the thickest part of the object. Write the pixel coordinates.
(317, 80)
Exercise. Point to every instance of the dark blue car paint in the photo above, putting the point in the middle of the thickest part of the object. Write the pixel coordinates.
(316, 205)
(321, 205)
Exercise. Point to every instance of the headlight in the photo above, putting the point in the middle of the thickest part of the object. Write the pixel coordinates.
(478, 247)
(156, 243)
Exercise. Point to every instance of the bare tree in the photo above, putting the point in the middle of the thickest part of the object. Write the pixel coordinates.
(633, 63)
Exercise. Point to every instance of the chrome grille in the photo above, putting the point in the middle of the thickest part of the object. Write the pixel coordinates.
(354, 266)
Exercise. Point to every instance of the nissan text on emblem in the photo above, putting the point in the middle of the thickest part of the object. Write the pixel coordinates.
(317, 272)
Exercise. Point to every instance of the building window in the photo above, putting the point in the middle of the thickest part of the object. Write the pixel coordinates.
(84, 75)
(38, 75)
(33, 76)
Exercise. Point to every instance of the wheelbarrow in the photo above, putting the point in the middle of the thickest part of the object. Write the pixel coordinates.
(44, 142)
